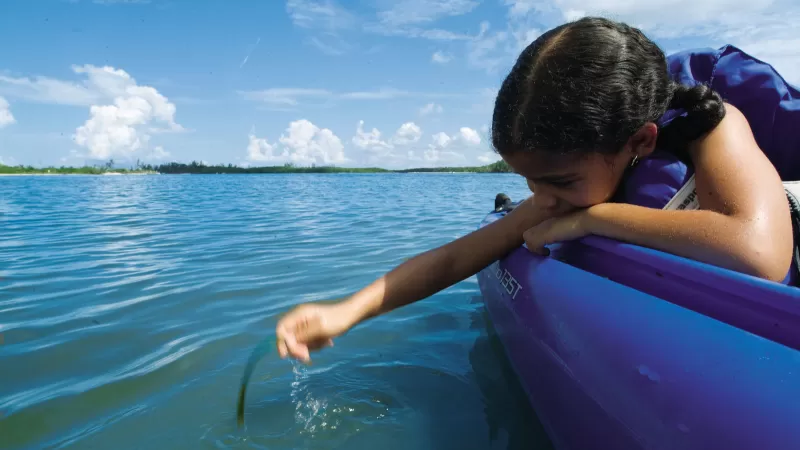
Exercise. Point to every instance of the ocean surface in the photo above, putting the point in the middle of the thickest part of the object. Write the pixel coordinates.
(130, 304)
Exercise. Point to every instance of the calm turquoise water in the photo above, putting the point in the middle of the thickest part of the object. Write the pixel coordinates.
(129, 306)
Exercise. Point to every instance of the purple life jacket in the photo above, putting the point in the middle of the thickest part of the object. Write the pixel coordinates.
(770, 104)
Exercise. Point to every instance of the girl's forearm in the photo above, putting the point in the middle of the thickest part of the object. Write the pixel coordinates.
(432, 271)
(702, 235)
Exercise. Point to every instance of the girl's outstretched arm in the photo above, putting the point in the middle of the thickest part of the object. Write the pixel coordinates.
(744, 222)
(437, 269)
(313, 326)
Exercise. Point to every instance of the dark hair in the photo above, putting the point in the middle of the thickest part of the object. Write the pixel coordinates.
(588, 85)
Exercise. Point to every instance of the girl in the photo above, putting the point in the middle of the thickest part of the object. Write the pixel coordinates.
(582, 104)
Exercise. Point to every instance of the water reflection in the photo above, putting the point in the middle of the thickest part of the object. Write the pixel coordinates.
(513, 423)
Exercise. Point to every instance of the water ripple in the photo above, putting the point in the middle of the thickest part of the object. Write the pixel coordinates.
(129, 305)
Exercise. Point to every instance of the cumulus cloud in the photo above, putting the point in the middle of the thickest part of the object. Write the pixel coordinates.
(390, 150)
(6, 118)
(122, 113)
(469, 136)
(404, 147)
(408, 133)
(302, 143)
(431, 108)
(396, 151)
(124, 126)
(446, 149)
(439, 152)
(371, 140)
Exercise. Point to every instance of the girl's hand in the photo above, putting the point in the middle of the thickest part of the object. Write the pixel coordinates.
(557, 229)
(310, 327)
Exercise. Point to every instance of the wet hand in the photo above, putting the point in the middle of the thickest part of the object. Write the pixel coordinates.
(309, 327)
(557, 229)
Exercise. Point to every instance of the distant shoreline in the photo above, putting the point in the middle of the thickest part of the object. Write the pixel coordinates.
(45, 174)
(196, 168)
(63, 174)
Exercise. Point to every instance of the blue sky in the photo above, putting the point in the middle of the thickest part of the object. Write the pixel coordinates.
(349, 82)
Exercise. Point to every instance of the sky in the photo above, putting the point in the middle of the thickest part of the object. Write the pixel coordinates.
(355, 83)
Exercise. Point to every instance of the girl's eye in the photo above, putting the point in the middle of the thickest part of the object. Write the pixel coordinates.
(562, 184)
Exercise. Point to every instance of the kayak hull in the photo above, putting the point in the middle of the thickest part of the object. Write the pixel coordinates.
(623, 347)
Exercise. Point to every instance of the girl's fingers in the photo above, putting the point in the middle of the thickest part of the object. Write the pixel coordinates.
(296, 349)
(282, 350)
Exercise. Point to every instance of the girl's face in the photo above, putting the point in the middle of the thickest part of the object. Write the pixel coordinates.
(565, 183)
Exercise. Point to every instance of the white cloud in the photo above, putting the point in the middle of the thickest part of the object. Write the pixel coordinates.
(406, 18)
(302, 143)
(396, 151)
(305, 143)
(441, 58)
(408, 133)
(444, 149)
(438, 152)
(765, 29)
(326, 19)
(290, 97)
(49, 90)
(431, 108)
(412, 18)
(122, 113)
(260, 150)
(158, 154)
(325, 14)
(370, 140)
(489, 51)
(380, 94)
(120, 129)
(407, 12)
(6, 118)
(669, 18)
(469, 136)
(433, 34)
(518, 8)
(285, 96)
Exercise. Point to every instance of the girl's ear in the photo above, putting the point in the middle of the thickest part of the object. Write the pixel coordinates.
(643, 142)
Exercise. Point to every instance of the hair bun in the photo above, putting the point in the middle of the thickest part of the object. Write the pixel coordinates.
(704, 108)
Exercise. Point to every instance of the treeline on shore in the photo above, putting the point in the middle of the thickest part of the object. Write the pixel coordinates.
(196, 167)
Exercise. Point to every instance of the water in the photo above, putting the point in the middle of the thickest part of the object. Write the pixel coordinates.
(129, 306)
